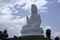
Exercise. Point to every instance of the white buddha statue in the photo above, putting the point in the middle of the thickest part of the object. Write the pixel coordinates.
(33, 23)
(35, 18)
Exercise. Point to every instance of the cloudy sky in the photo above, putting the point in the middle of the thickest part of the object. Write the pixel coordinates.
(13, 15)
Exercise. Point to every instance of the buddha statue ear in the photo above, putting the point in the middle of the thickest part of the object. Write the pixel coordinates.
(33, 9)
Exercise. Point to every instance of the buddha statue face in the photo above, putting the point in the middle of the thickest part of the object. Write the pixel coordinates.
(33, 9)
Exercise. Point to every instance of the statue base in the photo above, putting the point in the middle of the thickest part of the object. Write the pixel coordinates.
(32, 31)
(33, 34)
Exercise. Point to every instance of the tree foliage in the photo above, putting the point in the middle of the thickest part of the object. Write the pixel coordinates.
(48, 33)
(3, 34)
(56, 38)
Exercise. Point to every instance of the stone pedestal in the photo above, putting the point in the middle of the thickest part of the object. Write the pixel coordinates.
(32, 31)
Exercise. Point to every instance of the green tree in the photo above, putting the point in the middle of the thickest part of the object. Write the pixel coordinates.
(15, 36)
(4, 35)
(56, 38)
(0, 34)
(48, 33)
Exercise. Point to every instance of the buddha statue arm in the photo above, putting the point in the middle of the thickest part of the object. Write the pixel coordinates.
(27, 18)
(28, 21)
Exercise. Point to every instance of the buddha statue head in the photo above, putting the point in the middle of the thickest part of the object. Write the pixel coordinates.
(33, 9)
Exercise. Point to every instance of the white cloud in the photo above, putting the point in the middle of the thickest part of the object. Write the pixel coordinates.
(13, 26)
(55, 34)
(39, 4)
(27, 6)
(5, 17)
(5, 10)
(47, 27)
(43, 9)
(58, 1)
